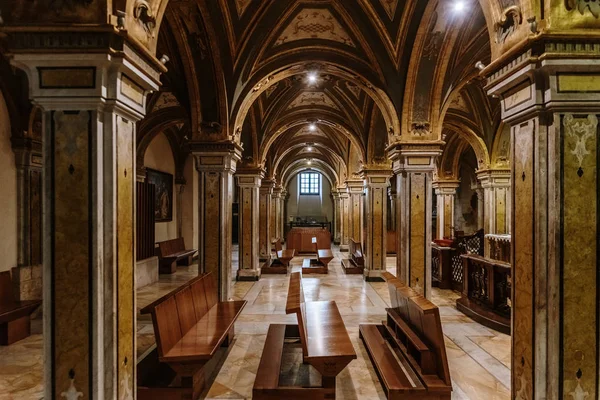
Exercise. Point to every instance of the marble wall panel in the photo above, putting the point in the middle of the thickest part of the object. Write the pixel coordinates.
(212, 221)
(418, 202)
(246, 228)
(580, 264)
(125, 244)
(523, 178)
(448, 220)
(265, 224)
(71, 265)
(501, 199)
(379, 230)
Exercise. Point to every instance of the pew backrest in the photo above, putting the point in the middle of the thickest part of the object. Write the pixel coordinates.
(171, 246)
(177, 312)
(295, 305)
(6, 290)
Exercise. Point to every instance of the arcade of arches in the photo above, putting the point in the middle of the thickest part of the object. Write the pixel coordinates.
(455, 141)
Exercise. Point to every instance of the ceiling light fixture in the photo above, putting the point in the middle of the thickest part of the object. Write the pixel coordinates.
(309, 162)
(312, 78)
(309, 148)
(459, 6)
(312, 127)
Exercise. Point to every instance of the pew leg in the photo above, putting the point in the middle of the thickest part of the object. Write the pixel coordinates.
(196, 382)
(187, 261)
(167, 268)
(13, 331)
(229, 339)
(328, 383)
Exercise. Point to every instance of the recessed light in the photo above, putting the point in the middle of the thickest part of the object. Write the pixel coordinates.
(309, 162)
(312, 77)
(459, 6)
(312, 127)
(309, 148)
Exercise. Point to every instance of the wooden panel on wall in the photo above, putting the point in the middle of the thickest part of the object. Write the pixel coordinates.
(145, 228)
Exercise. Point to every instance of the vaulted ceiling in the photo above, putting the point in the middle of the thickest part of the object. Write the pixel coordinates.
(385, 69)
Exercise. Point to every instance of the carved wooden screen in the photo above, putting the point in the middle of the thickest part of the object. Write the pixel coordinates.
(145, 220)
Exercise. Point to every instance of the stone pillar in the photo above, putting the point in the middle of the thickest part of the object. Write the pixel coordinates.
(27, 276)
(216, 164)
(496, 202)
(337, 217)
(355, 210)
(446, 194)
(550, 99)
(278, 213)
(376, 180)
(90, 102)
(414, 166)
(180, 186)
(344, 218)
(284, 198)
(265, 216)
(249, 185)
(393, 195)
(480, 205)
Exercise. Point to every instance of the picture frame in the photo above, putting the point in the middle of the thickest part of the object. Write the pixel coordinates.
(163, 183)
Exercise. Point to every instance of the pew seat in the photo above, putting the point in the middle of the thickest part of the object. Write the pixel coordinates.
(171, 253)
(408, 350)
(281, 262)
(356, 263)
(15, 316)
(190, 325)
(326, 347)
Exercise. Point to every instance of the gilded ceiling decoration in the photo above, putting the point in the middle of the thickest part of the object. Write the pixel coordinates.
(390, 7)
(166, 99)
(312, 99)
(241, 6)
(314, 24)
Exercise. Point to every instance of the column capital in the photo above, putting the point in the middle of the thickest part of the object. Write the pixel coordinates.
(277, 191)
(445, 187)
(216, 156)
(494, 178)
(414, 157)
(267, 186)
(355, 186)
(376, 175)
(28, 152)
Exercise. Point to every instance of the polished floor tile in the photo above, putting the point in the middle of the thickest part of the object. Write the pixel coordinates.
(479, 358)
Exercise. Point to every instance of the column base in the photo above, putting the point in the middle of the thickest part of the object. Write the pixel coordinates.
(248, 275)
(372, 275)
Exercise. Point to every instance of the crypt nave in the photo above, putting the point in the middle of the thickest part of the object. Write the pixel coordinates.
(299, 199)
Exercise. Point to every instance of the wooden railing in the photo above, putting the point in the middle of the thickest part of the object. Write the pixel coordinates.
(486, 291)
(446, 263)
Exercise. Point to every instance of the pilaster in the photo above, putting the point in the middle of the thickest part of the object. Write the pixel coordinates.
(249, 185)
(376, 183)
(337, 222)
(550, 100)
(91, 102)
(266, 211)
(216, 163)
(278, 212)
(344, 218)
(446, 194)
(413, 165)
(354, 227)
(495, 186)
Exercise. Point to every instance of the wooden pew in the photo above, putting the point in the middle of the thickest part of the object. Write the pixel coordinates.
(173, 252)
(356, 263)
(325, 343)
(408, 350)
(15, 316)
(281, 262)
(190, 325)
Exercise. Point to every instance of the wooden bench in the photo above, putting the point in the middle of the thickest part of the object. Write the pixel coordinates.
(281, 262)
(408, 350)
(356, 263)
(190, 325)
(325, 345)
(15, 316)
(173, 252)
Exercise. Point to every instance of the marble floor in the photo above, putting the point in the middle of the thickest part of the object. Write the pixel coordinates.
(479, 358)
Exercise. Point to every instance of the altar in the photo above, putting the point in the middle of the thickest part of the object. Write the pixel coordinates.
(301, 239)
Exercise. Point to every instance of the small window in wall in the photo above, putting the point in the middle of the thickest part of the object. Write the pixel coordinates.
(310, 183)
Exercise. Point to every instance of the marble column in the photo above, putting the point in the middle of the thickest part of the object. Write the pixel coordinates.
(480, 205)
(356, 192)
(278, 212)
(552, 104)
(495, 186)
(249, 186)
(393, 195)
(216, 163)
(414, 166)
(344, 218)
(376, 181)
(446, 194)
(283, 222)
(90, 102)
(27, 276)
(265, 216)
(337, 218)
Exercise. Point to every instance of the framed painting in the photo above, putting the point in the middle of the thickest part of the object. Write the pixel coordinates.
(163, 183)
